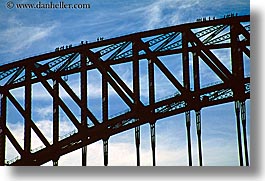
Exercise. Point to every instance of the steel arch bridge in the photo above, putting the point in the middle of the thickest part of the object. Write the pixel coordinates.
(194, 43)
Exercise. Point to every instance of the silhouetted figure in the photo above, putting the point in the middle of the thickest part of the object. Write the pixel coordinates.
(100, 38)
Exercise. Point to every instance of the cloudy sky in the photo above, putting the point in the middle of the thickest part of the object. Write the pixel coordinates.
(28, 32)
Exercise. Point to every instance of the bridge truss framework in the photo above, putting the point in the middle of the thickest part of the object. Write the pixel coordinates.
(194, 42)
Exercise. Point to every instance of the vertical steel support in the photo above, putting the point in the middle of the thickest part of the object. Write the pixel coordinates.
(188, 124)
(84, 156)
(137, 143)
(196, 74)
(186, 81)
(237, 110)
(136, 90)
(196, 78)
(2, 134)
(83, 79)
(243, 118)
(238, 81)
(27, 133)
(198, 125)
(55, 117)
(105, 150)
(153, 142)
(151, 103)
(55, 162)
(105, 102)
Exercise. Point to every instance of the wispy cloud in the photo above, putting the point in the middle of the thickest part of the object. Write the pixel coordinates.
(20, 36)
(159, 13)
(164, 13)
(44, 111)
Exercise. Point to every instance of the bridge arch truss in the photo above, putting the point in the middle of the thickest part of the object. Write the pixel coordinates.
(192, 44)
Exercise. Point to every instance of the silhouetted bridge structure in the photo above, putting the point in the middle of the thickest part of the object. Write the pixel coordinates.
(193, 43)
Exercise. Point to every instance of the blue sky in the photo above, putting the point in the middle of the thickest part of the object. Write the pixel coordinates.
(27, 32)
